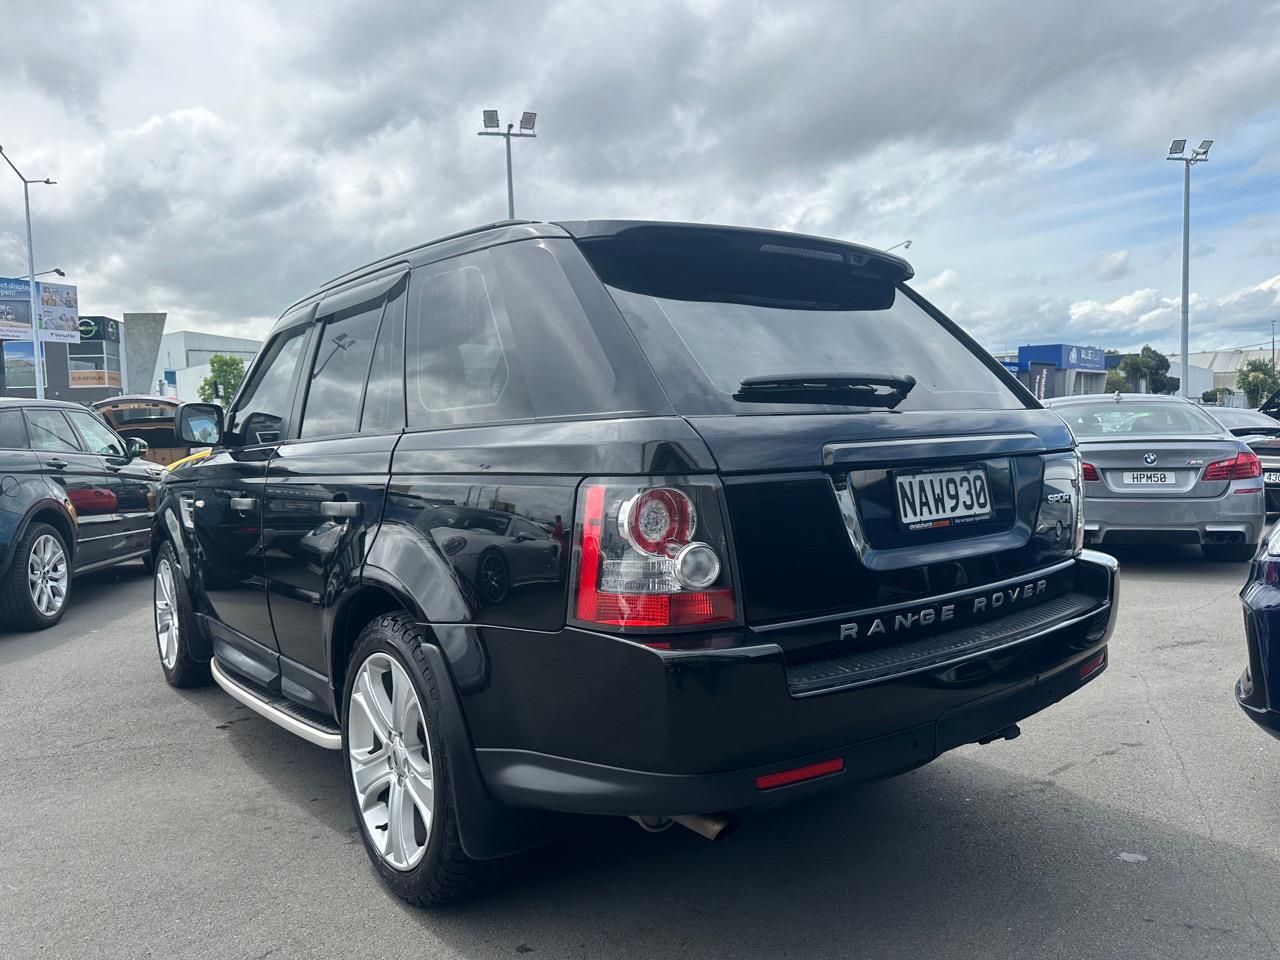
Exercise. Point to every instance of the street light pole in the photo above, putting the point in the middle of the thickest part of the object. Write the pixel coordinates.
(1199, 155)
(37, 360)
(527, 121)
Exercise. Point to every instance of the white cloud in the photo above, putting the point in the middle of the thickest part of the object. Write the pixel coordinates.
(939, 283)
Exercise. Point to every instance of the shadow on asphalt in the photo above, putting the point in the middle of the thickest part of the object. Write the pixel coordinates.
(877, 870)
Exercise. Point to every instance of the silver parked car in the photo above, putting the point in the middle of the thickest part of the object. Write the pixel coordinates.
(1262, 434)
(1160, 470)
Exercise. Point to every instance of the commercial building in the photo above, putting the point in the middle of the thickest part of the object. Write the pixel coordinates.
(93, 368)
(1059, 369)
(182, 360)
(1224, 365)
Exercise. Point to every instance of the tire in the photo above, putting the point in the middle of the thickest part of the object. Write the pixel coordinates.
(423, 864)
(37, 588)
(171, 609)
(1229, 552)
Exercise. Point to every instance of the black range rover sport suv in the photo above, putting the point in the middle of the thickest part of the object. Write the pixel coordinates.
(655, 520)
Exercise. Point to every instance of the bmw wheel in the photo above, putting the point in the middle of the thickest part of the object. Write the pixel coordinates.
(34, 594)
(175, 622)
(397, 768)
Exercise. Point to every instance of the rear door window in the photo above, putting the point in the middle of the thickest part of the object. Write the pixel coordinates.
(338, 371)
(710, 313)
(50, 431)
(384, 396)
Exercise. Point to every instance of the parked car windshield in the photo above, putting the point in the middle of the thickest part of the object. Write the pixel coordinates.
(709, 317)
(1147, 419)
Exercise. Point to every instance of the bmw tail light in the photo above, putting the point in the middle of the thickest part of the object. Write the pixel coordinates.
(1089, 471)
(653, 555)
(1243, 466)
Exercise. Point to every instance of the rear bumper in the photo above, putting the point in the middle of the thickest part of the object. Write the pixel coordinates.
(526, 779)
(661, 733)
(1233, 516)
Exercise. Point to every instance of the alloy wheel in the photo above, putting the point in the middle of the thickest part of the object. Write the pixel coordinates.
(390, 757)
(166, 614)
(47, 574)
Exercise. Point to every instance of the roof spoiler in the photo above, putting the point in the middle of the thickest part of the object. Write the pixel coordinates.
(877, 263)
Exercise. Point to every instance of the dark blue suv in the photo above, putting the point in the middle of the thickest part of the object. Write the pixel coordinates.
(74, 496)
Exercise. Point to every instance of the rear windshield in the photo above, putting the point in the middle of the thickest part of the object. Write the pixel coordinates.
(1250, 420)
(709, 317)
(1149, 419)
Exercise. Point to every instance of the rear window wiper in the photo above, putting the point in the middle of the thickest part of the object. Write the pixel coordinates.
(885, 390)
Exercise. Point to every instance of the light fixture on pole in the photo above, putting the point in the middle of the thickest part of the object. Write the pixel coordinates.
(904, 244)
(1199, 155)
(45, 273)
(492, 129)
(31, 278)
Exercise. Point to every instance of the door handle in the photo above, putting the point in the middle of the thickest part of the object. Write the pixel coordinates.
(340, 508)
(244, 503)
(56, 464)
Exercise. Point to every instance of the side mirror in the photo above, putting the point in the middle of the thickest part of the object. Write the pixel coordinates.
(135, 447)
(199, 424)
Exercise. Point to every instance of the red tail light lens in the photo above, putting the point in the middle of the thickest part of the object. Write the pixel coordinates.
(652, 556)
(1089, 472)
(1243, 466)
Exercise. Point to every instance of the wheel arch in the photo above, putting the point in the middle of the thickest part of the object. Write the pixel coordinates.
(55, 514)
(370, 597)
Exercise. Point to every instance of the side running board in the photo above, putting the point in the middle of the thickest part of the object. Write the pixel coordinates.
(298, 720)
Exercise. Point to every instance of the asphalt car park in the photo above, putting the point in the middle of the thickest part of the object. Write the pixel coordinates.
(1135, 819)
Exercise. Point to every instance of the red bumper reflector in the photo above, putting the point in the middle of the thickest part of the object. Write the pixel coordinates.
(771, 780)
(1092, 666)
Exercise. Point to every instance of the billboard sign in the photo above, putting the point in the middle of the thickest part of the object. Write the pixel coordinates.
(57, 304)
(15, 310)
(59, 312)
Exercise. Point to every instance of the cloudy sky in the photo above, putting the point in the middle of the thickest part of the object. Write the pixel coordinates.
(217, 160)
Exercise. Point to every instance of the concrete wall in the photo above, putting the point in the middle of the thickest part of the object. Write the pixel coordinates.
(141, 344)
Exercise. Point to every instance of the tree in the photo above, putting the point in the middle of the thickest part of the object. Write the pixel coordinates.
(224, 370)
(1215, 395)
(1152, 367)
(1257, 380)
(1116, 382)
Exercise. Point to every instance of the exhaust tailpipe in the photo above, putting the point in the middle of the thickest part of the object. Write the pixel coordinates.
(714, 826)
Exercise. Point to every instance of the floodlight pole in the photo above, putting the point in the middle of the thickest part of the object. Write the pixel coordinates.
(1199, 155)
(1186, 274)
(37, 360)
(508, 134)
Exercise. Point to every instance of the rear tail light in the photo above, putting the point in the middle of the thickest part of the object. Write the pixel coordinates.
(652, 556)
(1089, 472)
(1243, 466)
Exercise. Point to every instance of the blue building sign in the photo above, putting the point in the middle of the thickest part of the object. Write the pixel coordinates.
(1064, 356)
